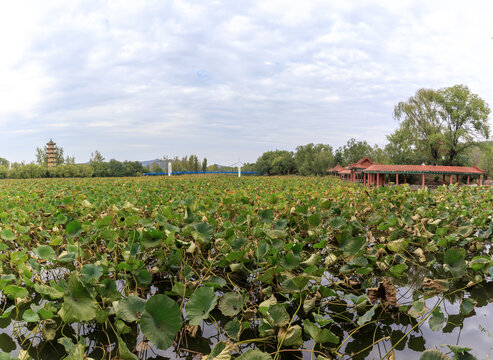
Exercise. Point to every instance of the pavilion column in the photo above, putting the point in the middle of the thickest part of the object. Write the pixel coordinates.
(389, 179)
(479, 180)
(443, 178)
(457, 178)
(397, 179)
(405, 178)
(467, 179)
(423, 180)
(451, 180)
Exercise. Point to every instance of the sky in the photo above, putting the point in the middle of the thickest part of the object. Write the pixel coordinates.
(226, 80)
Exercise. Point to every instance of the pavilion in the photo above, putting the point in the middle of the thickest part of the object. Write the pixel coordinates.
(357, 174)
(376, 173)
(335, 170)
(371, 174)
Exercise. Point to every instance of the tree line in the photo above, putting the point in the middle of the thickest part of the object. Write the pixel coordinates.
(66, 167)
(447, 126)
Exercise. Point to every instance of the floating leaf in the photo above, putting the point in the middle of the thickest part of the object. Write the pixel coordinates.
(290, 338)
(231, 303)
(455, 262)
(91, 273)
(467, 305)
(161, 321)
(433, 355)
(7, 235)
(78, 304)
(320, 336)
(44, 252)
(130, 308)
(254, 354)
(437, 320)
(202, 301)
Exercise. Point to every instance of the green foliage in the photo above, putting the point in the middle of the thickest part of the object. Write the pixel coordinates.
(285, 260)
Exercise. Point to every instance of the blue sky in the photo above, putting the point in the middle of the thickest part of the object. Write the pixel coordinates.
(226, 79)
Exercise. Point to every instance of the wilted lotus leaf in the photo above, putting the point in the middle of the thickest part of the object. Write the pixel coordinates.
(434, 286)
(385, 291)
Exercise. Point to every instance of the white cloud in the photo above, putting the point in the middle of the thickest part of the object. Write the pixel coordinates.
(122, 76)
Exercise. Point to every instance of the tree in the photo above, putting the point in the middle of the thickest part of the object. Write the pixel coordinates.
(42, 155)
(311, 159)
(278, 162)
(465, 120)
(204, 164)
(4, 162)
(70, 160)
(439, 126)
(354, 150)
(98, 165)
(96, 157)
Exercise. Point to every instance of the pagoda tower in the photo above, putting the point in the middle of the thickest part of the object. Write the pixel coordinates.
(51, 153)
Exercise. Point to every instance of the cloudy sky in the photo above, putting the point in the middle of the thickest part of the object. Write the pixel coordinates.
(226, 79)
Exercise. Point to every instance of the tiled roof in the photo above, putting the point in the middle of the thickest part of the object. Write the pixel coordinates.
(336, 168)
(345, 172)
(424, 169)
(362, 163)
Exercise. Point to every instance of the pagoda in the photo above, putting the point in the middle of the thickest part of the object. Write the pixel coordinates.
(51, 154)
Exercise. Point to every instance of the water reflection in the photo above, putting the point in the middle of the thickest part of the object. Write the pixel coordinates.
(391, 329)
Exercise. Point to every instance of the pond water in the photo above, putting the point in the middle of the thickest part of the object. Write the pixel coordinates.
(372, 341)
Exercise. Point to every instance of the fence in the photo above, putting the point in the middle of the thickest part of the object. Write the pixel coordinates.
(200, 172)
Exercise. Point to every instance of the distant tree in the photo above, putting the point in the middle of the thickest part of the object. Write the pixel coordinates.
(70, 160)
(311, 159)
(42, 155)
(439, 126)
(278, 162)
(354, 150)
(4, 162)
(204, 164)
(96, 157)
(465, 120)
(155, 167)
(98, 165)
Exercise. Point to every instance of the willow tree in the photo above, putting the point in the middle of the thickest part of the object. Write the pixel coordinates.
(439, 126)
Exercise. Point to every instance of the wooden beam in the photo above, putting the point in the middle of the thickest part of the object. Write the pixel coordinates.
(451, 179)
(467, 179)
(423, 180)
(397, 179)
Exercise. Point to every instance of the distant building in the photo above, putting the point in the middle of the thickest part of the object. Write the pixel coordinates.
(51, 153)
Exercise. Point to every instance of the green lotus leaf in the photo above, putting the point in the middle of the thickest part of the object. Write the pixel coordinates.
(78, 304)
(30, 316)
(292, 337)
(433, 355)
(233, 329)
(278, 315)
(144, 278)
(124, 352)
(266, 216)
(455, 262)
(231, 303)
(7, 235)
(321, 336)
(254, 354)
(14, 291)
(161, 321)
(202, 301)
(467, 305)
(220, 351)
(130, 308)
(91, 273)
(44, 252)
(437, 320)
(73, 228)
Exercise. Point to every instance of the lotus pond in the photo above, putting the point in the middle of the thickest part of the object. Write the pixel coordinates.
(251, 268)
